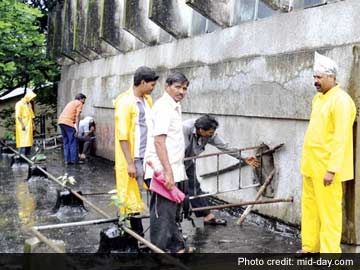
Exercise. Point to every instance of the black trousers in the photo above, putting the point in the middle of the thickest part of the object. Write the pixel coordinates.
(164, 226)
(195, 189)
(136, 225)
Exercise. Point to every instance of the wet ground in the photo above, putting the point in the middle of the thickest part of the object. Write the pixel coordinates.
(25, 203)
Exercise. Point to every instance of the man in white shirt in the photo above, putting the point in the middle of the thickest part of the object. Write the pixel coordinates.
(165, 149)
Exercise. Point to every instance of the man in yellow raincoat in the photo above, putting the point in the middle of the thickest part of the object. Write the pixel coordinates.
(24, 123)
(132, 110)
(327, 160)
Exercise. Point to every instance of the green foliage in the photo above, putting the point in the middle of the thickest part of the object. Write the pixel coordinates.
(23, 61)
(47, 95)
(7, 119)
(119, 203)
(46, 101)
(44, 6)
(9, 135)
(65, 179)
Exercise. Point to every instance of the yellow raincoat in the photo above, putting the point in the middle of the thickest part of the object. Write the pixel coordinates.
(23, 110)
(125, 117)
(328, 146)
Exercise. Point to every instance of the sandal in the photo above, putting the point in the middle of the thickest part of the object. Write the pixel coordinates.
(215, 221)
(187, 250)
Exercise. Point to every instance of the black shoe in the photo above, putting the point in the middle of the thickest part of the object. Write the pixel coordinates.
(303, 254)
(216, 221)
(76, 162)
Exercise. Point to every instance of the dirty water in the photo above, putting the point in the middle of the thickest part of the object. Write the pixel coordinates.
(26, 203)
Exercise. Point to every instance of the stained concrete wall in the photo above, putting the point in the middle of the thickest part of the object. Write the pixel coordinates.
(255, 76)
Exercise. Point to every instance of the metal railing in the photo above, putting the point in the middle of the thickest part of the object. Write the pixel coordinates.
(238, 165)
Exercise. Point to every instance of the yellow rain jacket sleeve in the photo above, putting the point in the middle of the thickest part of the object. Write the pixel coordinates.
(125, 116)
(23, 110)
(328, 143)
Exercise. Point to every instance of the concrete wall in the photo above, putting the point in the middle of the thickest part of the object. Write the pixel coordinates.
(255, 76)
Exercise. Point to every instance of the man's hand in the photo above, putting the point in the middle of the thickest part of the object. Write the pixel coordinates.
(328, 178)
(132, 170)
(253, 162)
(169, 180)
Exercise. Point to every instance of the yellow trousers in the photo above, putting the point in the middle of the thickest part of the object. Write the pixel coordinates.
(321, 221)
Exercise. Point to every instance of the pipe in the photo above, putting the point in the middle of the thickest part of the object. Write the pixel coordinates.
(97, 194)
(153, 247)
(47, 241)
(138, 237)
(258, 194)
(222, 153)
(230, 205)
(71, 224)
(83, 223)
(221, 192)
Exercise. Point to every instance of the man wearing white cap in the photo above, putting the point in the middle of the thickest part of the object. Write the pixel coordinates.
(327, 160)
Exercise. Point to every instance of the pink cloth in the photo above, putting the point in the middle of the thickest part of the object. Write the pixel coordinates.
(157, 185)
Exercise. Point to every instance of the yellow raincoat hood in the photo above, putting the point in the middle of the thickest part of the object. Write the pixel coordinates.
(29, 96)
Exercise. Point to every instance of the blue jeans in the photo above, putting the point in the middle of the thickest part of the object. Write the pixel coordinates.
(70, 143)
(25, 150)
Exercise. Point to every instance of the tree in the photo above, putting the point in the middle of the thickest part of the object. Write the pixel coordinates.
(23, 61)
(44, 6)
